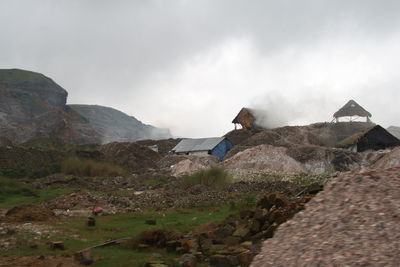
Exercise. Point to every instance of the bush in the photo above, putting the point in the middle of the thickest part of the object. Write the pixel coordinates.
(11, 187)
(85, 167)
(215, 177)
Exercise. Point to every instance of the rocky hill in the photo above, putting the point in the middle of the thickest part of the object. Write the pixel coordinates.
(114, 125)
(33, 107)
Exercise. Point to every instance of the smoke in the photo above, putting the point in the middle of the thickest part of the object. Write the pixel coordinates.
(274, 111)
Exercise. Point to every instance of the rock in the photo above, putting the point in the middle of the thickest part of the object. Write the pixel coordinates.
(254, 226)
(151, 222)
(233, 260)
(245, 214)
(172, 245)
(188, 260)
(205, 243)
(91, 221)
(242, 231)
(260, 214)
(219, 260)
(156, 264)
(57, 245)
(267, 202)
(84, 257)
(224, 231)
(245, 258)
(232, 240)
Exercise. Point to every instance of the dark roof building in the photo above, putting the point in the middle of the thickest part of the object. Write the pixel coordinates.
(374, 138)
(216, 146)
(352, 109)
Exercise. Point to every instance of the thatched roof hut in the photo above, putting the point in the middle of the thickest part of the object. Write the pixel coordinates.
(352, 109)
(374, 138)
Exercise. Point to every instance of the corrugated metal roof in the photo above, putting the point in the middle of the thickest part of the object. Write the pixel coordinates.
(198, 144)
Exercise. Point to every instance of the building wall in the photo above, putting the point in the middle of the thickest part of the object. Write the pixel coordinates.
(222, 148)
(199, 153)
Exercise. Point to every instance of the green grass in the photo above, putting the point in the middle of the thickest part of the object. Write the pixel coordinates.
(86, 167)
(215, 177)
(76, 235)
(34, 197)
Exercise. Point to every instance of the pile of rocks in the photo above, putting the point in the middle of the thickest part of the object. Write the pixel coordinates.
(355, 221)
(235, 241)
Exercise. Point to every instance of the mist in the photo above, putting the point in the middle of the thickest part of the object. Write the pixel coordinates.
(191, 66)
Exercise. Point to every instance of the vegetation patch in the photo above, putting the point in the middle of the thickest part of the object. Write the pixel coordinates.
(11, 187)
(215, 177)
(87, 167)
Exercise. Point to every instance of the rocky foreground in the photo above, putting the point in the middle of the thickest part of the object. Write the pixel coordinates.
(355, 221)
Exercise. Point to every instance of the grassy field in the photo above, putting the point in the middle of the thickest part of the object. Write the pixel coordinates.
(76, 235)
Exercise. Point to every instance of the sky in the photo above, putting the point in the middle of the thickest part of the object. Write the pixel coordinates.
(192, 65)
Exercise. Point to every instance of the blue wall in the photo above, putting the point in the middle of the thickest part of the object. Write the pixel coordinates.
(221, 149)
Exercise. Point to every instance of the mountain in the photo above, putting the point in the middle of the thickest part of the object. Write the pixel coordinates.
(115, 125)
(33, 106)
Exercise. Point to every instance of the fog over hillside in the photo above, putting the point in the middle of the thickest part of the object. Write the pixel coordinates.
(192, 65)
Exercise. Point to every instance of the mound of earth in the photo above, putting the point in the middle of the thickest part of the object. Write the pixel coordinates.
(164, 145)
(29, 213)
(318, 134)
(190, 164)
(295, 159)
(391, 159)
(263, 158)
(132, 156)
(355, 221)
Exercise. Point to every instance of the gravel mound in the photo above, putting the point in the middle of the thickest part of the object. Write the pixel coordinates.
(191, 164)
(263, 157)
(355, 221)
(391, 159)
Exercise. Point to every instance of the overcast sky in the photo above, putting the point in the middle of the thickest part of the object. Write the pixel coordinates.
(191, 65)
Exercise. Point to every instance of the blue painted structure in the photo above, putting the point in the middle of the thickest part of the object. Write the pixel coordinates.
(221, 149)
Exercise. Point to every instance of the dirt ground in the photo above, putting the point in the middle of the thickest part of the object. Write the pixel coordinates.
(29, 213)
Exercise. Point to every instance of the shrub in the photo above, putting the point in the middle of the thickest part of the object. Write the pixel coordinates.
(215, 177)
(10, 187)
(86, 167)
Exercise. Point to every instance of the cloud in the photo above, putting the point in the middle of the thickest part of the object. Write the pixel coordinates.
(191, 65)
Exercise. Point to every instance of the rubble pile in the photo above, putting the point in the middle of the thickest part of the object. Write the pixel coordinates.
(233, 242)
(262, 157)
(355, 221)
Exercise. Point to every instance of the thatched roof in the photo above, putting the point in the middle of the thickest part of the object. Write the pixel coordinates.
(354, 139)
(352, 109)
(243, 111)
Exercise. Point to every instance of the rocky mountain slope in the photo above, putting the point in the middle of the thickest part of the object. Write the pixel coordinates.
(33, 106)
(116, 126)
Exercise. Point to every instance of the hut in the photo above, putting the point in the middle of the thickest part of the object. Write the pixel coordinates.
(374, 138)
(250, 118)
(353, 111)
(215, 146)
